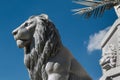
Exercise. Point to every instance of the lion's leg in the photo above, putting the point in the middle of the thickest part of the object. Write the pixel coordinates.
(57, 76)
(58, 70)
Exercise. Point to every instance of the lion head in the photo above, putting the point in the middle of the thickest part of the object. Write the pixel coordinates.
(40, 40)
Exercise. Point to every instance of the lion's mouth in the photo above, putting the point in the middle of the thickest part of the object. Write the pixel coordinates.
(22, 42)
(23, 39)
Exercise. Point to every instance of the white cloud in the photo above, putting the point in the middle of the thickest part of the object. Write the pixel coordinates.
(95, 40)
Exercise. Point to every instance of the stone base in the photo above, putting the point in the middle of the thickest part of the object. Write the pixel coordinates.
(112, 74)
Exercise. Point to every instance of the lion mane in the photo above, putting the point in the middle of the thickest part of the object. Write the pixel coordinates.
(45, 45)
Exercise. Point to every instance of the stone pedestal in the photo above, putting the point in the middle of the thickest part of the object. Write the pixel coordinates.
(110, 61)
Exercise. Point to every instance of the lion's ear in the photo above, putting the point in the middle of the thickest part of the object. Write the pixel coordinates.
(44, 16)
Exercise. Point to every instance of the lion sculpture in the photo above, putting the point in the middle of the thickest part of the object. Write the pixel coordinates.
(44, 54)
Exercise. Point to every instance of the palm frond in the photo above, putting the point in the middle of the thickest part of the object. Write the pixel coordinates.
(87, 3)
(95, 8)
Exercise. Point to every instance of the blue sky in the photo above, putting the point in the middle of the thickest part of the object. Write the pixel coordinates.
(76, 33)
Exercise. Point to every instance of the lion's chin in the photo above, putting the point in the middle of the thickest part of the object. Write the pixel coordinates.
(20, 43)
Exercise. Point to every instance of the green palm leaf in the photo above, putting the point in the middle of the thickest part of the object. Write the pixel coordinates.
(95, 8)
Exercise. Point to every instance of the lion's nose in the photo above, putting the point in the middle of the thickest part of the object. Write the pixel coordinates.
(14, 32)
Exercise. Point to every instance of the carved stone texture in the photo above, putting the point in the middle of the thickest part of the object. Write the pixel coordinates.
(44, 54)
(110, 60)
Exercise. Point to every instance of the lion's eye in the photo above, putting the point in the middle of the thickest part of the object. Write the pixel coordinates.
(26, 24)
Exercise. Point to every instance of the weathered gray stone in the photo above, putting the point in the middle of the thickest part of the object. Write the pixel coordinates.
(112, 74)
(117, 10)
(110, 61)
(44, 54)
